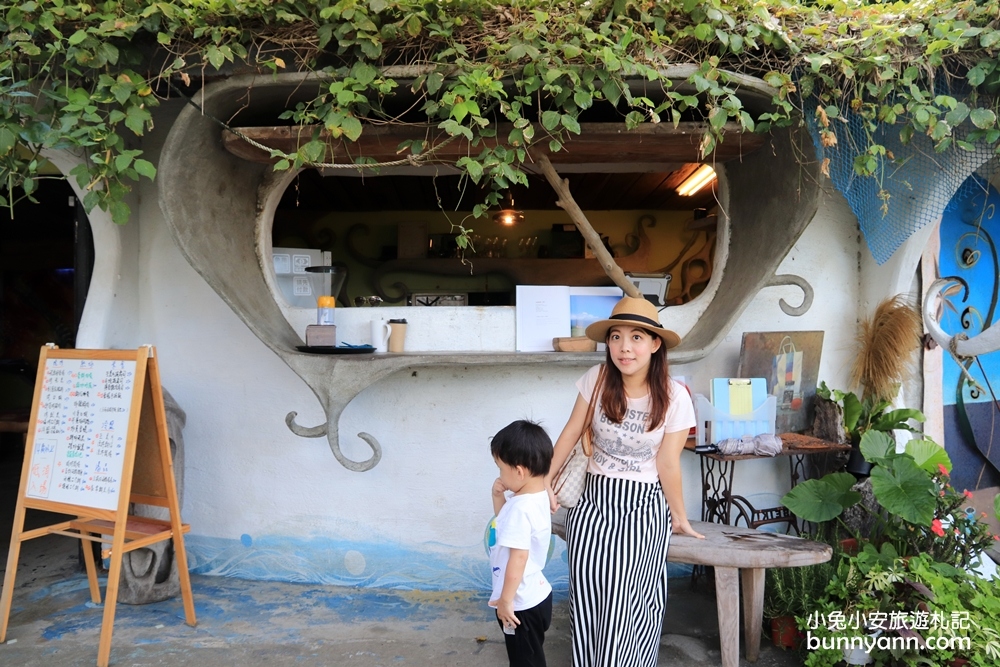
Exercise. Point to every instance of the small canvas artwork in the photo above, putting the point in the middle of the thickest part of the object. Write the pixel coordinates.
(789, 361)
(589, 304)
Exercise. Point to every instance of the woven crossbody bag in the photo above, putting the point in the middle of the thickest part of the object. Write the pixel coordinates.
(572, 477)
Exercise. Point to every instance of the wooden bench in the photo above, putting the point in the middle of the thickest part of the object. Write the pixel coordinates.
(735, 551)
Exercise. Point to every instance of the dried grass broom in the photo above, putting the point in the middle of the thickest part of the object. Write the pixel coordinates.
(886, 346)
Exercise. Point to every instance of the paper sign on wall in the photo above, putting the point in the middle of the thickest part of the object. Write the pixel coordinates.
(542, 313)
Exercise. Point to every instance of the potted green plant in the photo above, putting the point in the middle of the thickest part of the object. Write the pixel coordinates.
(861, 416)
(934, 600)
(956, 606)
(918, 510)
(915, 561)
(865, 589)
(789, 593)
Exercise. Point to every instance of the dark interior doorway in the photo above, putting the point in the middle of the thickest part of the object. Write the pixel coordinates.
(46, 262)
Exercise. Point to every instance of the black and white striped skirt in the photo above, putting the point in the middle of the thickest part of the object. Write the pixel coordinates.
(616, 543)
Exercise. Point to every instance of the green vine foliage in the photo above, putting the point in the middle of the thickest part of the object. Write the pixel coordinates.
(85, 76)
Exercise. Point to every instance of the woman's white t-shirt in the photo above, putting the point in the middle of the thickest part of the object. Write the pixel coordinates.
(628, 450)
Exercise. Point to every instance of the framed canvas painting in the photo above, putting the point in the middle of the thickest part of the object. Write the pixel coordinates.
(789, 360)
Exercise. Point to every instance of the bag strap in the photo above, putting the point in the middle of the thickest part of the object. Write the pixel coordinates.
(588, 422)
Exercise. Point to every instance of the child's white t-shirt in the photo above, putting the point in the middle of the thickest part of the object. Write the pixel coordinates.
(524, 522)
(628, 450)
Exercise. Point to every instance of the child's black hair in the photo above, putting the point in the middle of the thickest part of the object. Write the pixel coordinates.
(523, 443)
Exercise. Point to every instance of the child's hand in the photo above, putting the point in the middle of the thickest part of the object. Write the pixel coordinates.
(498, 488)
(553, 501)
(505, 612)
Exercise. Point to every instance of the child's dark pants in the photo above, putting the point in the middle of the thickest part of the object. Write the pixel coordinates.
(524, 647)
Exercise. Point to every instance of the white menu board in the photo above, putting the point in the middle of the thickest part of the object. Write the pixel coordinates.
(80, 432)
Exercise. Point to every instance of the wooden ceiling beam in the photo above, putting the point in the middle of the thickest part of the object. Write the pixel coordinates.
(598, 143)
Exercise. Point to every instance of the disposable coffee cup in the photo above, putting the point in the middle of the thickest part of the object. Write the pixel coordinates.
(397, 335)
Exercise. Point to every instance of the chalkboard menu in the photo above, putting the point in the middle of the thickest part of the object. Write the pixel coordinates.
(80, 431)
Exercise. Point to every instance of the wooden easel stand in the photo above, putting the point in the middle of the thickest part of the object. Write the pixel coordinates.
(146, 476)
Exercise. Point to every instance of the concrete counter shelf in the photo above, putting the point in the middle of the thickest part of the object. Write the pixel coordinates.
(337, 380)
(344, 377)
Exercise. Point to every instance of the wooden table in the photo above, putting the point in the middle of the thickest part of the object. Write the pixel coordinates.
(745, 553)
(717, 470)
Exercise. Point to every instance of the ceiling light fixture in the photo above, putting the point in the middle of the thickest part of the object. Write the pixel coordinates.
(701, 177)
(508, 217)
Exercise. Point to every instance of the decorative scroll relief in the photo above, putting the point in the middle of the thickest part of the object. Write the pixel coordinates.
(800, 282)
(80, 432)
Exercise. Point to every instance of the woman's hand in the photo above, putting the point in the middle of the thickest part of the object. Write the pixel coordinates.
(553, 502)
(683, 527)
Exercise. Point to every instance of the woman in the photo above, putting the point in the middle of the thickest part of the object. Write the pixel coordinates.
(617, 535)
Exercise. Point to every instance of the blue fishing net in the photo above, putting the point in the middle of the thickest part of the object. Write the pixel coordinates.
(912, 184)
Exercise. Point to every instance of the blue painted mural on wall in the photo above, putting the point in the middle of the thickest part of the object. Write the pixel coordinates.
(970, 228)
(336, 562)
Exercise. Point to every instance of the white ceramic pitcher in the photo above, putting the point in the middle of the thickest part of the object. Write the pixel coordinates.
(380, 335)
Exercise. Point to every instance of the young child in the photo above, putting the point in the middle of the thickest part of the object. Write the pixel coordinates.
(521, 594)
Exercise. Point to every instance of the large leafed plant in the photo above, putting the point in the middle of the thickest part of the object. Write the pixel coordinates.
(85, 76)
(918, 511)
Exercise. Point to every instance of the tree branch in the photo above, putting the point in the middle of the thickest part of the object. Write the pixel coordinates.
(593, 239)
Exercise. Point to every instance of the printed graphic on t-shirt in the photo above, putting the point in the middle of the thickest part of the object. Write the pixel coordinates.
(613, 454)
(623, 447)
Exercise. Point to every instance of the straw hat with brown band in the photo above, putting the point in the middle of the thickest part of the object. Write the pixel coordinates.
(632, 311)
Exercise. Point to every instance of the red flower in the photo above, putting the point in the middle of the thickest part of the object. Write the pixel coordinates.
(936, 528)
(944, 471)
(968, 494)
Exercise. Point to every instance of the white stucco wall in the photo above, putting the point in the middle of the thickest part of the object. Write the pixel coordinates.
(111, 314)
(261, 500)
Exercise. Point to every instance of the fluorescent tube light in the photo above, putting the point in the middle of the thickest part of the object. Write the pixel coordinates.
(701, 177)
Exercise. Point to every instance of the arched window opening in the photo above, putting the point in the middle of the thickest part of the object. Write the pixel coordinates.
(395, 234)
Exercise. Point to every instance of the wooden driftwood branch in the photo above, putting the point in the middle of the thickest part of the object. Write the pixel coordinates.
(593, 239)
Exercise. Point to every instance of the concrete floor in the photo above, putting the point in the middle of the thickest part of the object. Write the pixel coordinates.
(252, 623)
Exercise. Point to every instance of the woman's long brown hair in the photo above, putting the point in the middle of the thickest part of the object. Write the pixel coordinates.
(613, 399)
